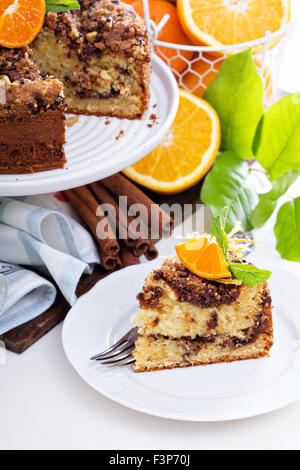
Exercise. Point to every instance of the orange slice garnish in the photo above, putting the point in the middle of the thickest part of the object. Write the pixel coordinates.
(20, 21)
(204, 257)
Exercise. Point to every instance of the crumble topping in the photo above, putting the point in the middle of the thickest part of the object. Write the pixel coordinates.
(195, 289)
(22, 83)
(98, 25)
(18, 64)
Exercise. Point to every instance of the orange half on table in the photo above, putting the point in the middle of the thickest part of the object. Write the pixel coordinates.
(204, 257)
(171, 32)
(218, 22)
(20, 21)
(186, 153)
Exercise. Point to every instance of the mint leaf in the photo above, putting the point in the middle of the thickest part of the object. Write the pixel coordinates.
(217, 229)
(237, 95)
(230, 183)
(58, 6)
(248, 274)
(277, 141)
(287, 230)
(268, 201)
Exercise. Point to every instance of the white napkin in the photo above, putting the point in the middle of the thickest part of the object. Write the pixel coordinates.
(48, 239)
(23, 296)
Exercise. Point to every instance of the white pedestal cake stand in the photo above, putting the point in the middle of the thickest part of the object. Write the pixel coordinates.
(95, 149)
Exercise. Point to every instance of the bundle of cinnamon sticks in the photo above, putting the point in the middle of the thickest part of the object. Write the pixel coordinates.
(124, 222)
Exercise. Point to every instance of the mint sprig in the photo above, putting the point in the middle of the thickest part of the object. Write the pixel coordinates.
(247, 273)
(58, 6)
(217, 229)
(273, 138)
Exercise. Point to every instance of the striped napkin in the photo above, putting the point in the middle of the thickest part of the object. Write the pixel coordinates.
(38, 231)
(23, 296)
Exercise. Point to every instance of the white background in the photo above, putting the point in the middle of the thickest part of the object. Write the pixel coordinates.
(45, 405)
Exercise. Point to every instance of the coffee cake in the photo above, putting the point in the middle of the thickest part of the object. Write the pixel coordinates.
(101, 54)
(31, 115)
(186, 320)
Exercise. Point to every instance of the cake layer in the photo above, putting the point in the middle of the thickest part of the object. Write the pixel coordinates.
(176, 319)
(154, 353)
(101, 54)
(195, 306)
(25, 127)
(111, 86)
(37, 157)
(32, 115)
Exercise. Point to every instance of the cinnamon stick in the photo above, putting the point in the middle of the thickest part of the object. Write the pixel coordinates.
(122, 218)
(104, 231)
(152, 252)
(118, 185)
(108, 261)
(141, 247)
(127, 256)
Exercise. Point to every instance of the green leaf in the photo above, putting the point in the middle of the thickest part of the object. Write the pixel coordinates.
(249, 275)
(230, 183)
(237, 95)
(287, 230)
(268, 201)
(277, 141)
(58, 6)
(217, 229)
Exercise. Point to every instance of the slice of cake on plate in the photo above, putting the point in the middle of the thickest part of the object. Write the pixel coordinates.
(186, 319)
(101, 54)
(32, 118)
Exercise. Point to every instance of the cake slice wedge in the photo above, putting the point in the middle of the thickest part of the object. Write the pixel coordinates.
(32, 115)
(101, 55)
(187, 320)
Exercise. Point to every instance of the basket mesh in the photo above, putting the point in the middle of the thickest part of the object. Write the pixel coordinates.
(195, 70)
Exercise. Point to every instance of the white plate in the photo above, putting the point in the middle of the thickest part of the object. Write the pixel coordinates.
(94, 150)
(212, 393)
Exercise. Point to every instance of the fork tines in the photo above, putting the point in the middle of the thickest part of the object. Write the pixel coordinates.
(120, 353)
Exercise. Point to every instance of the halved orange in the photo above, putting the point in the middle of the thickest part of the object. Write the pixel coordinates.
(203, 256)
(186, 153)
(218, 22)
(20, 21)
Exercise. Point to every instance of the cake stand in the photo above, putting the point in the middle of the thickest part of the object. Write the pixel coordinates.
(99, 147)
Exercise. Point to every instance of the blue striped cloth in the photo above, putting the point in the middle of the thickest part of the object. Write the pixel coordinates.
(46, 238)
(23, 296)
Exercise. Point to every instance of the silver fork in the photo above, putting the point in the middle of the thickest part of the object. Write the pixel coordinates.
(120, 353)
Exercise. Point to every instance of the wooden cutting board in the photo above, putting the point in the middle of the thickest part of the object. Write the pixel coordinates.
(20, 338)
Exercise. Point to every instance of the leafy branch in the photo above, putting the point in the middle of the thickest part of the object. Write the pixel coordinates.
(271, 137)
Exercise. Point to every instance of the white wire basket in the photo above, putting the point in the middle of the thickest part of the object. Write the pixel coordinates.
(196, 66)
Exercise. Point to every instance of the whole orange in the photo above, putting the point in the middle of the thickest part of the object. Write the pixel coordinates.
(172, 32)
